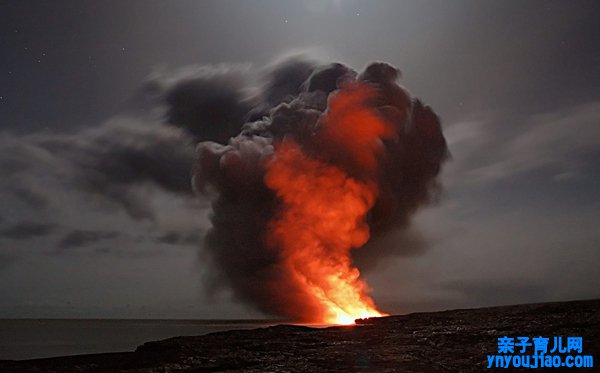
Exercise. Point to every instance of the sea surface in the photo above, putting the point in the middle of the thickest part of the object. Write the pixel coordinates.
(38, 338)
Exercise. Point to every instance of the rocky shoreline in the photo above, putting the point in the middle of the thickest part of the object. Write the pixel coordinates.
(457, 340)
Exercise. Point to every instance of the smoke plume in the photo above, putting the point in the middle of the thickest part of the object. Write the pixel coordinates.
(328, 162)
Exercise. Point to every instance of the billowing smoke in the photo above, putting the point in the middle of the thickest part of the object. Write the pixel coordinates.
(326, 163)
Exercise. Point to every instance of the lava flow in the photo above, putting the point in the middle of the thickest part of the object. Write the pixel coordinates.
(324, 209)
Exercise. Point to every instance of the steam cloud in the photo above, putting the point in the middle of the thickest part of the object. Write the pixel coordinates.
(293, 105)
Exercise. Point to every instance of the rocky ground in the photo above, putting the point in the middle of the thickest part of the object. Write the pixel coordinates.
(452, 341)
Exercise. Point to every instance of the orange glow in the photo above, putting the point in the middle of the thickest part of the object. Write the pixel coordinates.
(323, 213)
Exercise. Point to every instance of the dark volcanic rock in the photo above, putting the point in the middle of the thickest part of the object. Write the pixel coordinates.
(421, 342)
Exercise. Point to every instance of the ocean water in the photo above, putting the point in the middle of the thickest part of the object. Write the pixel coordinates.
(33, 338)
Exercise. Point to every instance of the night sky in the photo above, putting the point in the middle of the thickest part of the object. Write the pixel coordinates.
(97, 217)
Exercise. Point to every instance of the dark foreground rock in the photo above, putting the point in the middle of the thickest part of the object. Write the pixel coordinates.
(421, 342)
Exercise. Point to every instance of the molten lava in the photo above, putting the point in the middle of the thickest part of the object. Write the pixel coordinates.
(324, 207)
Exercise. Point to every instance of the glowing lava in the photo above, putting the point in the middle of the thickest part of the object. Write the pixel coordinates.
(324, 208)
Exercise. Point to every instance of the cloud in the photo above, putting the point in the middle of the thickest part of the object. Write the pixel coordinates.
(210, 102)
(560, 141)
(107, 190)
(109, 161)
(180, 238)
(129, 178)
(481, 256)
(213, 102)
(283, 79)
(5, 261)
(79, 238)
(26, 230)
(496, 291)
(365, 126)
(31, 196)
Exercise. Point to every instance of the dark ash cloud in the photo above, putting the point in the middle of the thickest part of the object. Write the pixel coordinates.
(213, 103)
(208, 102)
(243, 205)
